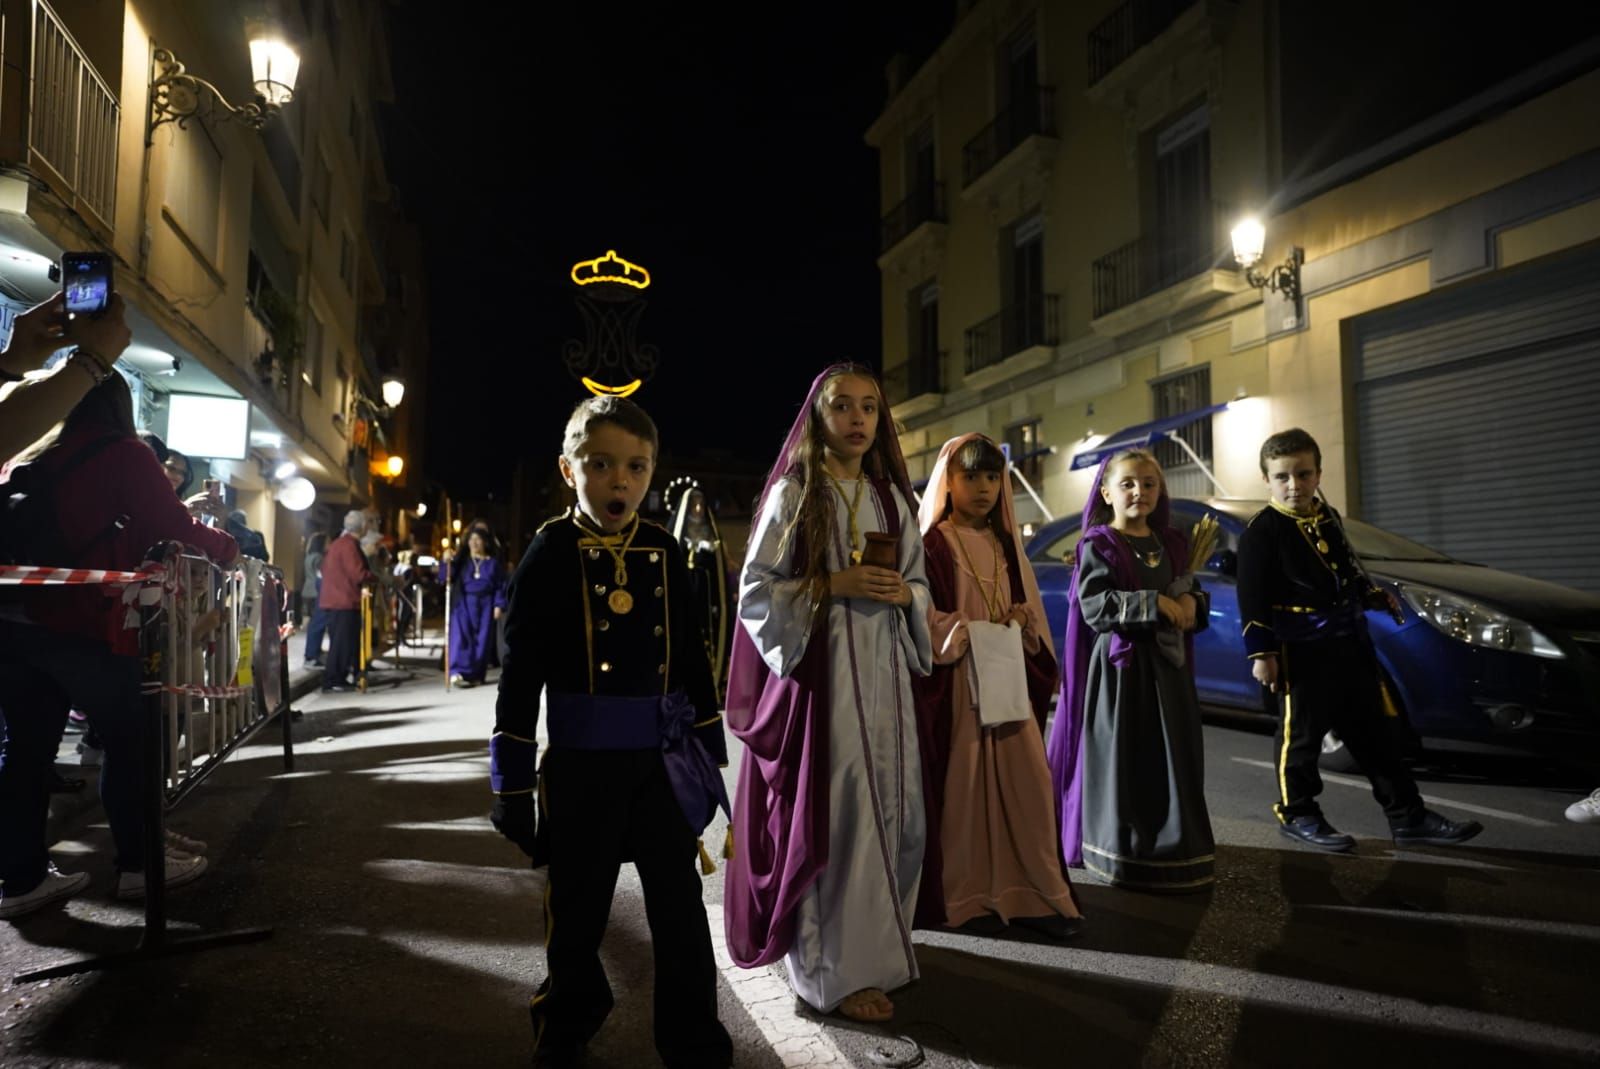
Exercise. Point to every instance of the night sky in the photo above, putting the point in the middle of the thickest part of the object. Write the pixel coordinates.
(727, 157)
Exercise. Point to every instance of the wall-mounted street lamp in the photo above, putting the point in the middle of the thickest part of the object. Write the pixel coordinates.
(175, 94)
(1249, 239)
(394, 391)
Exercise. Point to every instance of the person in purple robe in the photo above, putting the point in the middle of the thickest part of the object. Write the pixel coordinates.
(1126, 754)
(828, 817)
(477, 585)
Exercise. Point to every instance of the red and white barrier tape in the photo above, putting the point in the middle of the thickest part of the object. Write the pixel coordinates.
(32, 575)
(196, 690)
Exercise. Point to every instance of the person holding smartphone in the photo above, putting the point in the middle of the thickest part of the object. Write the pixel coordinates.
(30, 406)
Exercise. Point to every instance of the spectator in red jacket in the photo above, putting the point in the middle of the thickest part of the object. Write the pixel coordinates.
(344, 571)
(67, 647)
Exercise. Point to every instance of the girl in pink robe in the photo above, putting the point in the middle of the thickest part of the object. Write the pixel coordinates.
(992, 857)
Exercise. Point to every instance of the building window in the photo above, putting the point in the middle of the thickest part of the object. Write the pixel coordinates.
(321, 184)
(347, 262)
(1024, 318)
(344, 385)
(1185, 242)
(194, 191)
(1173, 396)
(924, 367)
(313, 369)
(1022, 442)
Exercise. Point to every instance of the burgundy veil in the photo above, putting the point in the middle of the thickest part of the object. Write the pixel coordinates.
(780, 806)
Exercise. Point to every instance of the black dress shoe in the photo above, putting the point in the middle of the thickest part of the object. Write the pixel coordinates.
(1316, 831)
(1054, 926)
(1434, 830)
(983, 924)
(60, 784)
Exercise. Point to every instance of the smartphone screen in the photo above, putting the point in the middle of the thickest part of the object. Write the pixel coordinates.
(86, 282)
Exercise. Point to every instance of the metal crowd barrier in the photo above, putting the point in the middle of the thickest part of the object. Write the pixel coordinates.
(216, 670)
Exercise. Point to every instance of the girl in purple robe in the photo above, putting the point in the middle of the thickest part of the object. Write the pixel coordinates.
(1126, 753)
(833, 611)
(477, 584)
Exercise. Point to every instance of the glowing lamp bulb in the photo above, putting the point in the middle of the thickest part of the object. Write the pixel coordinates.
(274, 66)
(395, 466)
(284, 470)
(1249, 239)
(394, 391)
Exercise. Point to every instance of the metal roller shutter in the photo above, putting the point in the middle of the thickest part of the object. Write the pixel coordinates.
(1478, 419)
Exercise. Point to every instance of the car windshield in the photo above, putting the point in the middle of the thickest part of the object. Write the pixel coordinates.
(1372, 543)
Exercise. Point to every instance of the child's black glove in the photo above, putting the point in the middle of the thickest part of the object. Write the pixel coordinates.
(515, 817)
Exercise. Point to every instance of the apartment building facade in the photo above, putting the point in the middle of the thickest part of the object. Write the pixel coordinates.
(1059, 183)
(250, 260)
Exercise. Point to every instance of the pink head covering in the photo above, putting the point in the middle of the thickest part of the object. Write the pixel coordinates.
(936, 506)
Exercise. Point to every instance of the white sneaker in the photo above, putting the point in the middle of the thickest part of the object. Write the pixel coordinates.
(55, 886)
(1586, 811)
(183, 844)
(181, 869)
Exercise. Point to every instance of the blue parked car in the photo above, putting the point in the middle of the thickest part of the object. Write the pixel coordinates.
(1481, 657)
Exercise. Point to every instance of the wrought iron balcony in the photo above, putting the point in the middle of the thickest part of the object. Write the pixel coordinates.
(1014, 328)
(925, 205)
(75, 116)
(922, 373)
(1010, 128)
(1152, 262)
(1128, 29)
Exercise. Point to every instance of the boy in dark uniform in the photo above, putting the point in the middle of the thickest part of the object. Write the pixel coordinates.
(1303, 597)
(597, 620)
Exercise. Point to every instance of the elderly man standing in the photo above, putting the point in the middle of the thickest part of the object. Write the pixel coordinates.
(344, 570)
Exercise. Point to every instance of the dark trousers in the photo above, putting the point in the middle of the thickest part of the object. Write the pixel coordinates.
(42, 676)
(605, 807)
(316, 629)
(1333, 684)
(344, 636)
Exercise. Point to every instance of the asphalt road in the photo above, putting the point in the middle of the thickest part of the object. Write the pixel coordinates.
(406, 932)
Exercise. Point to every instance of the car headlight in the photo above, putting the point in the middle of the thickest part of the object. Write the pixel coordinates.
(1477, 624)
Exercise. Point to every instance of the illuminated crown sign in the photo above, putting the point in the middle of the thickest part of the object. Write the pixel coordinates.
(610, 268)
(608, 361)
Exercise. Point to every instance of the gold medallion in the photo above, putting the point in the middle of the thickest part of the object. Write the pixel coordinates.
(621, 602)
(1322, 545)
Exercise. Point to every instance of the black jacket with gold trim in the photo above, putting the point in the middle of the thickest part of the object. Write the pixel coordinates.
(564, 630)
(1298, 581)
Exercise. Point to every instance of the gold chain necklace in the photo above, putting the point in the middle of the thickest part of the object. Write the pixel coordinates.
(852, 504)
(1148, 558)
(620, 600)
(990, 602)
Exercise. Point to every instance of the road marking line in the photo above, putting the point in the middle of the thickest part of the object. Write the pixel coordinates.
(1481, 810)
(799, 1041)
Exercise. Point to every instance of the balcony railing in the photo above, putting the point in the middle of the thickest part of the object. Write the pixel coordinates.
(921, 374)
(1015, 328)
(925, 205)
(1128, 29)
(75, 116)
(1152, 262)
(1010, 128)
